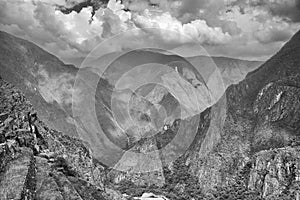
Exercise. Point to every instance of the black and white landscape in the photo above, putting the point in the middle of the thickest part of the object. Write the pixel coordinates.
(147, 99)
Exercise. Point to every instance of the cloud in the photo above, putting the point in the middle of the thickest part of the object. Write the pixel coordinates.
(216, 24)
(73, 29)
(115, 20)
(185, 11)
(287, 9)
(141, 5)
(210, 11)
(284, 8)
(268, 33)
(63, 35)
(170, 29)
(193, 7)
(78, 5)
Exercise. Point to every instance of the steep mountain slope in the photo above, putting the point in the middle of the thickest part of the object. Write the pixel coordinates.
(41, 163)
(44, 79)
(261, 132)
(246, 145)
(48, 84)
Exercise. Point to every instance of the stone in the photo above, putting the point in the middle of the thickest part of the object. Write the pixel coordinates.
(67, 189)
(47, 155)
(46, 187)
(13, 179)
(3, 116)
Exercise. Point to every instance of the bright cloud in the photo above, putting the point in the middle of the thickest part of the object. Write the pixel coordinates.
(225, 27)
(169, 28)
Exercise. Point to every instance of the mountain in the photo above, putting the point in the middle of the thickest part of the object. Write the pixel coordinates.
(51, 86)
(260, 134)
(37, 162)
(232, 70)
(44, 79)
(244, 146)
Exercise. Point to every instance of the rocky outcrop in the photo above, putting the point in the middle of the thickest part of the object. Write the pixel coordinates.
(14, 177)
(40, 163)
(275, 172)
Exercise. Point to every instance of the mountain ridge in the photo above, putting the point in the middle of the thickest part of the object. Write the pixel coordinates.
(246, 145)
(262, 115)
(45, 79)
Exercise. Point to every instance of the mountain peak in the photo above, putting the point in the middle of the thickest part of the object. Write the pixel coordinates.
(283, 63)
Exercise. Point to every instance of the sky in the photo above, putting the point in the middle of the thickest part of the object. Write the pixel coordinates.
(71, 29)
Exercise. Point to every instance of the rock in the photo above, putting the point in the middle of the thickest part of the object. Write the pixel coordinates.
(86, 190)
(261, 114)
(151, 196)
(114, 195)
(24, 176)
(13, 179)
(4, 156)
(48, 190)
(275, 171)
(2, 138)
(46, 187)
(67, 189)
(11, 146)
(8, 120)
(47, 155)
(3, 117)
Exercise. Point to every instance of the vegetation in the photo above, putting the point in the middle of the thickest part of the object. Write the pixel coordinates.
(180, 185)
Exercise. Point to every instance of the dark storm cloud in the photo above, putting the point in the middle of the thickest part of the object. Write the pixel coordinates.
(141, 5)
(130, 5)
(76, 6)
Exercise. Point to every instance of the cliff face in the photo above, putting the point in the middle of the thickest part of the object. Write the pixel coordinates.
(261, 130)
(275, 171)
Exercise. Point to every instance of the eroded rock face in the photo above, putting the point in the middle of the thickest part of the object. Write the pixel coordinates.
(13, 179)
(275, 171)
(278, 103)
(46, 186)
